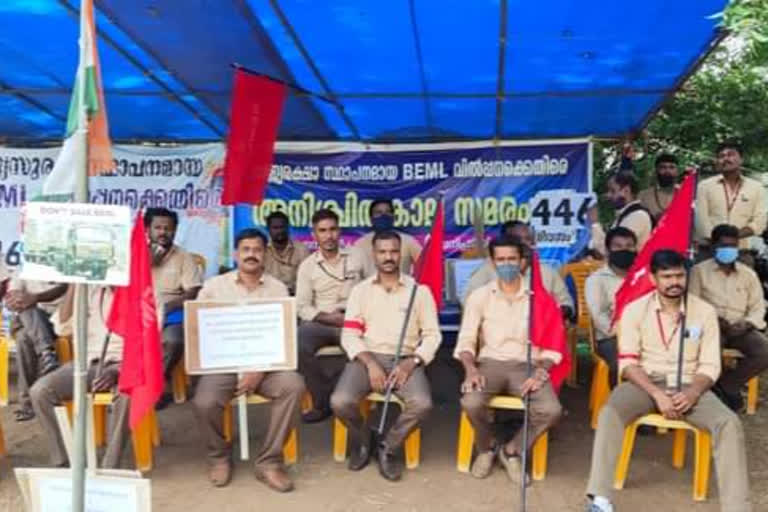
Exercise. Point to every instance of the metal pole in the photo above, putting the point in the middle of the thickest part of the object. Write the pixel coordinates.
(527, 397)
(691, 257)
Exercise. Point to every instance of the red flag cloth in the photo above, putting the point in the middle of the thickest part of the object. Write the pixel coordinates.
(547, 325)
(257, 105)
(429, 268)
(672, 232)
(134, 318)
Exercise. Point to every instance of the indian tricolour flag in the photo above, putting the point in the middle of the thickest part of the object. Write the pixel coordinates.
(87, 144)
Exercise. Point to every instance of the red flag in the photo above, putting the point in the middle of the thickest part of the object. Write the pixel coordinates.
(672, 232)
(430, 266)
(257, 104)
(134, 318)
(547, 326)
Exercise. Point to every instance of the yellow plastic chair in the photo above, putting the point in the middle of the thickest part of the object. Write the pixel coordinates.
(467, 439)
(600, 388)
(702, 452)
(578, 271)
(730, 357)
(412, 442)
(291, 446)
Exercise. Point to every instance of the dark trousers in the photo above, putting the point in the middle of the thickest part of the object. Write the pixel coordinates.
(34, 336)
(608, 349)
(312, 337)
(173, 347)
(754, 346)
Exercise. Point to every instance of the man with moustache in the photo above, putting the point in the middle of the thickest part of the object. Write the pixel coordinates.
(656, 198)
(323, 284)
(284, 255)
(649, 344)
(376, 310)
(215, 391)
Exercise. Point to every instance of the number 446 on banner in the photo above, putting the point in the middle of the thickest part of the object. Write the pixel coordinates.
(557, 216)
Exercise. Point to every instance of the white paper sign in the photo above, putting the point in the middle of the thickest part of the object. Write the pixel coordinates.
(557, 215)
(248, 335)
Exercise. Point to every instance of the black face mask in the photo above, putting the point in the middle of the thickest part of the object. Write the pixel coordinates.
(621, 259)
(665, 180)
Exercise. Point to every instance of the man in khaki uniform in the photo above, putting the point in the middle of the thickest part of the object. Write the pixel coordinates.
(57, 387)
(649, 345)
(730, 198)
(323, 284)
(496, 313)
(382, 213)
(736, 293)
(373, 322)
(551, 279)
(176, 276)
(657, 197)
(283, 254)
(215, 391)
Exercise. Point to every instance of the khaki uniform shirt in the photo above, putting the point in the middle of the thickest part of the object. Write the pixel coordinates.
(176, 274)
(641, 341)
(325, 287)
(600, 294)
(99, 306)
(375, 316)
(736, 295)
(410, 250)
(284, 265)
(550, 278)
(656, 199)
(229, 287)
(36, 287)
(747, 207)
(638, 222)
(495, 326)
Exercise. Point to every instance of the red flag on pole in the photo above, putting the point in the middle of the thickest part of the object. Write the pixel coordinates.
(429, 268)
(672, 232)
(134, 318)
(257, 105)
(547, 326)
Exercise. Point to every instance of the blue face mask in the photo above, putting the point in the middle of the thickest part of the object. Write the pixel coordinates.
(383, 222)
(508, 272)
(726, 255)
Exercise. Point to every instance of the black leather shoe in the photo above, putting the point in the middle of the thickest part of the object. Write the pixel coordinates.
(390, 466)
(360, 454)
(316, 415)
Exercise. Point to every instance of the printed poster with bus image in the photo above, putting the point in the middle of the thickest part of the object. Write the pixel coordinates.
(76, 243)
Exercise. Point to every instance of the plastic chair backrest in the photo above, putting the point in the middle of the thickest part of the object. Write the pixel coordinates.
(579, 271)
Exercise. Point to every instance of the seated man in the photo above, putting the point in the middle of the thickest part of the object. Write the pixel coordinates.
(283, 254)
(177, 278)
(32, 303)
(284, 388)
(737, 295)
(376, 310)
(600, 292)
(323, 284)
(58, 386)
(382, 213)
(496, 314)
(649, 344)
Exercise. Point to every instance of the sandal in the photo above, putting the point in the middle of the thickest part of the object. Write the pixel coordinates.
(26, 413)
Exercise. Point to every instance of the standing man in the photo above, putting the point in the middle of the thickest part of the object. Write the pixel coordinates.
(177, 278)
(648, 353)
(492, 348)
(630, 213)
(730, 198)
(736, 293)
(283, 388)
(283, 254)
(323, 284)
(373, 322)
(382, 213)
(600, 293)
(656, 198)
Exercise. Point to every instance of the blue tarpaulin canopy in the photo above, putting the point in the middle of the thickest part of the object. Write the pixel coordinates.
(394, 70)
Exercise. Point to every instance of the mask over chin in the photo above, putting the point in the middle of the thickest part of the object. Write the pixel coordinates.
(383, 222)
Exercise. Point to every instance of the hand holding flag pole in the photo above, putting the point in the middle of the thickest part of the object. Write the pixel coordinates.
(691, 254)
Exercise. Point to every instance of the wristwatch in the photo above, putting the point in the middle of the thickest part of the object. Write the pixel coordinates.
(416, 359)
(544, 372)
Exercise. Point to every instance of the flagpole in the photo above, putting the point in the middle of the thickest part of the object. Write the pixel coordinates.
(81, 291)
(527, 397)
(689, 263)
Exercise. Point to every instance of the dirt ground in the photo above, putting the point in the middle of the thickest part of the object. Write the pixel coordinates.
(179, 479)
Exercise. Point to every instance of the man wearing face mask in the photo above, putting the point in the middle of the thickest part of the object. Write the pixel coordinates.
(492, 349)
(600, 292)
(382, 213)
(736, 293)
(656, 198)
(630, 213)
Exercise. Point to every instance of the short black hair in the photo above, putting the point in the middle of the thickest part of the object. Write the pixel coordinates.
(151, 213)
(380, 200)
(626, 179)
(277, 214)
(324, 214)
(666, 259)
(507, 241)
(729, 144)
(512, 224)
(724, 231)
(619, 232)
(386, 235)
(248, 233)
(665, 158)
